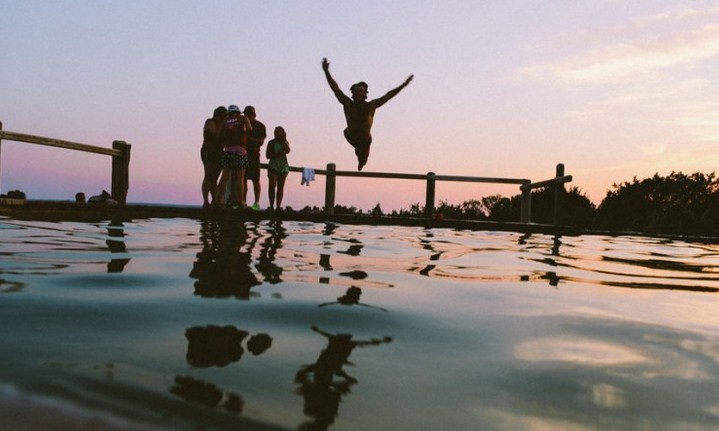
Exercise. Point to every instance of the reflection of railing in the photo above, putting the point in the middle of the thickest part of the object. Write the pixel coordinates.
(120, 153)
(431, 178)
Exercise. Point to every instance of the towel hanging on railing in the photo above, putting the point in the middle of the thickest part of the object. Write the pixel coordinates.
(308, 174)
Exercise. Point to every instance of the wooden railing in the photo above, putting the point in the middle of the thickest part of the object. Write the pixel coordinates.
(431, 178)
(120, 153)
(558, 183)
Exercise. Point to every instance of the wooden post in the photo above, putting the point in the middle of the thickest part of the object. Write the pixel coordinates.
(330, 181)
(121, 171)
(0, 155)
(559, 197)
(429, 201)
(525, 213)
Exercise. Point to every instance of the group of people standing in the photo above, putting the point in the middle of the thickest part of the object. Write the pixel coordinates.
(231, 153)
(232, 142)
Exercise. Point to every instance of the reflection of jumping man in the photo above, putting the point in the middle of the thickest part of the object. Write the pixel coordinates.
(359, 113)
(351, 297)
(321, 392)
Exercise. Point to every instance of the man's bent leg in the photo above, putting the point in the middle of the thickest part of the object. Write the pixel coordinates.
(362, 153)
(361, 146)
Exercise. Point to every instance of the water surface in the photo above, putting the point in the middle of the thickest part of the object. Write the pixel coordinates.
(184, 324)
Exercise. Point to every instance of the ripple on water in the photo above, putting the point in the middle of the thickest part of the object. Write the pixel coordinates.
(371, 327)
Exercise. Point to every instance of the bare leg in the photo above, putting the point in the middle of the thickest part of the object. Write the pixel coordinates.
(244, 195)
(280, 189)
(232, 189)
(362, 153)
(241, 187)
(257, 190)
(271, 192)
(361, 146)
(209, 183)
(220, 198)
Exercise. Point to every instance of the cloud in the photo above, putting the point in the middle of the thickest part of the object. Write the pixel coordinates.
(627, 60)
(702, 119)
(641, 47)
(657, 70)
(649, 94)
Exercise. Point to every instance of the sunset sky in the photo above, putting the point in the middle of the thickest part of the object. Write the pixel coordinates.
(503, 88)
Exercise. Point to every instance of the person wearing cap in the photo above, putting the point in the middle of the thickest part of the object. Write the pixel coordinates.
(234, 153)
(359, 113)
(255, 139)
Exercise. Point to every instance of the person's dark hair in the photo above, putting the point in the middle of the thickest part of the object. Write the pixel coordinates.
(360, 84)
(220, 110)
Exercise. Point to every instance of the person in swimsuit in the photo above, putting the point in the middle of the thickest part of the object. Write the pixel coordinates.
(234, 154)
(211, 154)
(277, 168)
(359, 113)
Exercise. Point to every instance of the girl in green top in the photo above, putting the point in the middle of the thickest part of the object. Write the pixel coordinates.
(277, 168)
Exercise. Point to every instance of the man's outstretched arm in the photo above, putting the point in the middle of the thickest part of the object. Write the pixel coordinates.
(333, 84)
(390, 94)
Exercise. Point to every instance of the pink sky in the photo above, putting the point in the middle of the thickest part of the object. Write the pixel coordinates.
(612, 89)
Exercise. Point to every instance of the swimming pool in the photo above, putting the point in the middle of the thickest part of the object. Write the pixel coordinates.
(188, 324)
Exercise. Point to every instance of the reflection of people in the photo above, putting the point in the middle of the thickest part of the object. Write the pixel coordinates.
(222, 269)
(278, 167)
(219, 346)
(255, 139)
(214, 346)
(351, 297)
(359, 113)
(211, 154)
(259, 343)
(354, 249)
(266, 262)
(321, 391)
(197, 391)
(234, 153)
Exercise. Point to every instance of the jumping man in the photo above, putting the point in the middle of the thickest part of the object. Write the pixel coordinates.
(359, 113)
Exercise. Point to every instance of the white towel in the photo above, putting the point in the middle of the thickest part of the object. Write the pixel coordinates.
(308, 174)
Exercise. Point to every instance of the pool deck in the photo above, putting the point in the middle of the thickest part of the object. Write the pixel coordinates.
(88, 212)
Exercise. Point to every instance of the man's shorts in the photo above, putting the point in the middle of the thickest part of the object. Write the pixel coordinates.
(253, 168)
(233, 161)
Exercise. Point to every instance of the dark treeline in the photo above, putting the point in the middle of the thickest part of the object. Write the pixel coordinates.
(674, 204)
